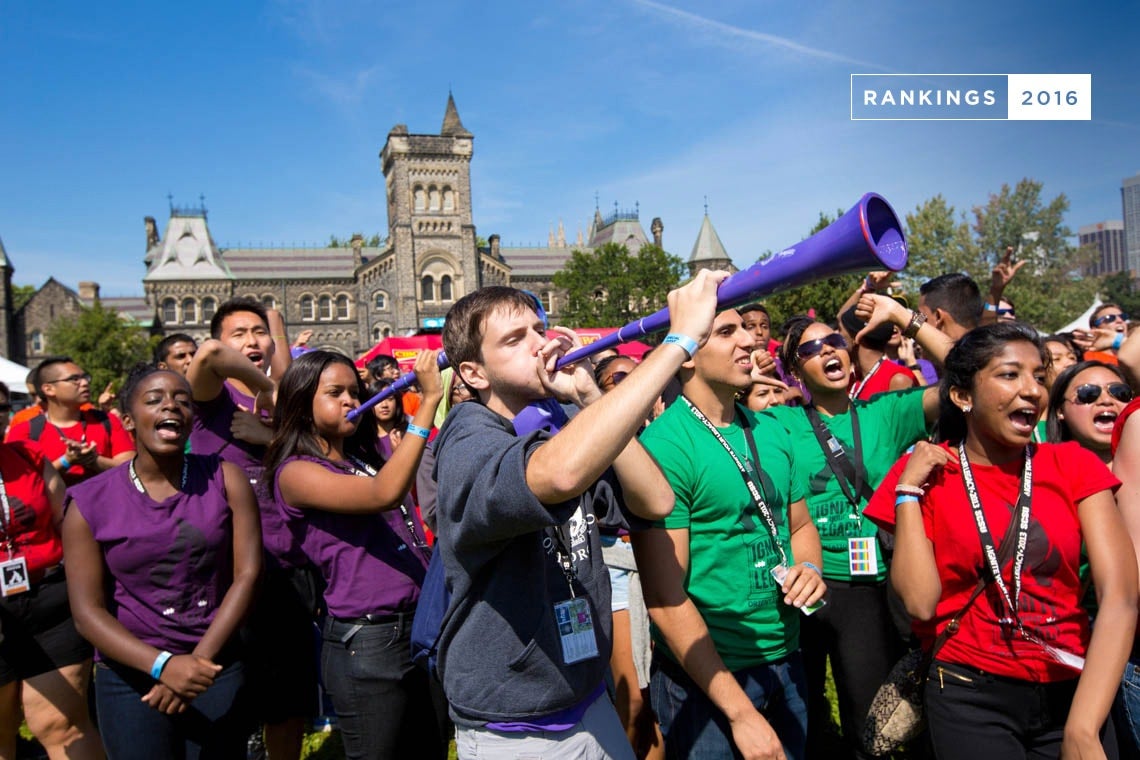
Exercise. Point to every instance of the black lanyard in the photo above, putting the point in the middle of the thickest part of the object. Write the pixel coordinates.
(1021, 516)
(753, 485)
(368, 471)
(850, 476)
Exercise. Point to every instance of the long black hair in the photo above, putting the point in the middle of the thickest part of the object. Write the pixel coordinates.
(294, 431)
(968, 356)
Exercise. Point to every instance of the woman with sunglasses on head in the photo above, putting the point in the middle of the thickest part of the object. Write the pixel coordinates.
(45, 665)
(163, 555)
(356, 524)
(988, 530)
(844, 447)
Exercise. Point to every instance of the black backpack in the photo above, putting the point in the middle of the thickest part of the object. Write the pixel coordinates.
(37, 424)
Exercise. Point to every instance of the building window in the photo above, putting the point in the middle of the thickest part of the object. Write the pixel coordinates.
(433, 198)
(307, 308)
(427, 288)
(386, 332)
(36, 340)
(209, 306)
(420, 198)
(445, 288)
(381, 301)
(448, 199)
(548, 301)
(324, 308)
(269, 302)
(189, 311)
(169, 311)
(342, 307)
(376, 334)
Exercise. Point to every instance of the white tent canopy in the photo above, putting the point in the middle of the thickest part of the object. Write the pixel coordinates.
(1082, 322)
(14, 375)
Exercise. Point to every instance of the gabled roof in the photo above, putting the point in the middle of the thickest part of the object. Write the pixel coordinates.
(186, 252)
(3, 255)
(708, 246)
(536, 261)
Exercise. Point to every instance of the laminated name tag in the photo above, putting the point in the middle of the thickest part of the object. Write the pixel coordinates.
(14, 576)
(861, 556)
(576, 630)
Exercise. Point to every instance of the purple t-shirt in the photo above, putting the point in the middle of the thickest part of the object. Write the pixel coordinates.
(369, 562)
(170, 563)
(211, 435)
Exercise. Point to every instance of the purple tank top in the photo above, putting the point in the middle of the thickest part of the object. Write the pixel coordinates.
(211, 435)
(169, 563)
(369, 562)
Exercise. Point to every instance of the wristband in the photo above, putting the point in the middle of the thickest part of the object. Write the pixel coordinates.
(811, 566)
(1118, 341)
(990, 307)
(914, 367)
(159, 664)
(422, 432)
(687, 344)
(904, 498)
(902, 488)
(917, 320)
(64, 464)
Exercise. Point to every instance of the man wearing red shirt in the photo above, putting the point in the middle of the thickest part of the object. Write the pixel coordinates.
(79, 442)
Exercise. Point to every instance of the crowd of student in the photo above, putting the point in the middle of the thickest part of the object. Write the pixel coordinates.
(666, 563)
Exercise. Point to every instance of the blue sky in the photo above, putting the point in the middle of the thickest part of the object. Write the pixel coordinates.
(277, 111)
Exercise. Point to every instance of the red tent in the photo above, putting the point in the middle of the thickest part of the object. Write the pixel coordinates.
(405, 348)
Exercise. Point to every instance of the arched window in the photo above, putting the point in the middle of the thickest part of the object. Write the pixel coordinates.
(448, 199)
(376, 334)
(433, 198)
(209, 306)
(420, 198)
(307, 311)
(445, 288)
(427, 288)
(381, 301)
(324, 308)
(169, 311)
(387, 332)
(548, 301)
(36, 341)
(189, 311)
(269, 302)
(342, 307)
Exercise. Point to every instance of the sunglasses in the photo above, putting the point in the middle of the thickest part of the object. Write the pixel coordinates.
(1005, 312)
(1108, 318)
(1090, 392)
(614, 379)
(812, 348)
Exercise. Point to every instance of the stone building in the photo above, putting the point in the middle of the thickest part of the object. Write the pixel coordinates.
(352, 296)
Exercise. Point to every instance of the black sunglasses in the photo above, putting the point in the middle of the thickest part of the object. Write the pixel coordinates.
(1109, 318)
(1003, 312)
(812, 348)
(1090, 392)
(614, 379)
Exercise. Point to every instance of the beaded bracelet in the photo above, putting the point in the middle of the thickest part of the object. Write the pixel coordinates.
(911, 490)
(687, 344)
(422, 432)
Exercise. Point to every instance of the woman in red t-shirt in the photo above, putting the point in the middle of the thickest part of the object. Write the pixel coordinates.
(1021, 676)
(45, 665)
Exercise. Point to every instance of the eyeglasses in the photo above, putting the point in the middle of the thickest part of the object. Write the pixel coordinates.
(1108, 318)
(1089, 393)
(77, 379)
(614, 379)
(1005, 312)
(812, 348)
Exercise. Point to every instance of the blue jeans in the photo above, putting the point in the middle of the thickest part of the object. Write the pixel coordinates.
(215, 725)
(1126, 711)
(695, 728)
(386, 707)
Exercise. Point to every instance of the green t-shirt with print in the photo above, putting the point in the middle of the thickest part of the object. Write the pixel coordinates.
(889, 424)
(731, 552)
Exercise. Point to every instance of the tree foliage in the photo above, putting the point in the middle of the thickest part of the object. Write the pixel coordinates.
(102, 343)
(610, 287)
(1117, 289)
(346, 242)
(21, 294)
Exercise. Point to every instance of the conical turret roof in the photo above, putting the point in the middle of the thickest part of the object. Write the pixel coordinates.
(708, 246)
(452, 126)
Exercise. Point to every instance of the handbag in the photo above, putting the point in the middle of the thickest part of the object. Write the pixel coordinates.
(896, 713)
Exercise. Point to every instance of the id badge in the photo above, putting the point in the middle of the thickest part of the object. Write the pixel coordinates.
(1068, 659)
(14, 576)
(861, 556)
(576, 630)
(779, 573)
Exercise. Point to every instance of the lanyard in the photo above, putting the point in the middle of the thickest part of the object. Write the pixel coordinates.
(9, 542)
(138, 483)
(753, 487)
(368, 471)
(1021, 515)
(82, 427)
(858, 387)
(849, 476)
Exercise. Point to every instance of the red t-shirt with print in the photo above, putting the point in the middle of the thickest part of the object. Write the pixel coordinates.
(1063, 475)
(90, 428)
(28, 520)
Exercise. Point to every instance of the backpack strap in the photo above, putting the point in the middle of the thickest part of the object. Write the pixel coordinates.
(36, 426)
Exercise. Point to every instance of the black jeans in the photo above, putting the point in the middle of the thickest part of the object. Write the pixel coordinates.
(975, 716)
(386, 707)
(855, 629)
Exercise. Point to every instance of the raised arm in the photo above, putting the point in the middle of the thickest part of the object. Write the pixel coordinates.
(215, 362)
(282, 355)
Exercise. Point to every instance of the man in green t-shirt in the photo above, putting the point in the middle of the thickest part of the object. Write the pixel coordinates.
(726, 670)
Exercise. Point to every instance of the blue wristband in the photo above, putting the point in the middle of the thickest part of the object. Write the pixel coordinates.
(1118, 341)
(684, 341)
(811, 566)
(417, 430)
(990, 306)
(159, 664)
(64, 463)
(903, 498)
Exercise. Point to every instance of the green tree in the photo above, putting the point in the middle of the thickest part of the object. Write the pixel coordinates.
(346, 242)
(938, 242)
(610, 287)
(1117, 288)
(21, 294)
(102, 343)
